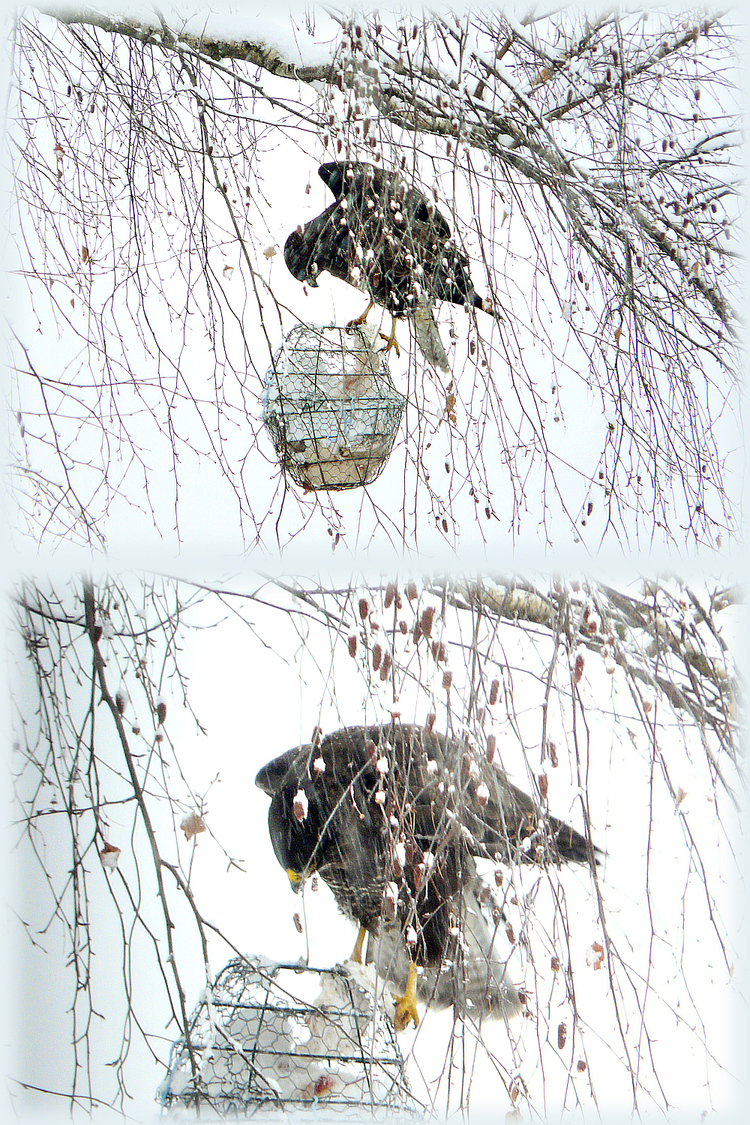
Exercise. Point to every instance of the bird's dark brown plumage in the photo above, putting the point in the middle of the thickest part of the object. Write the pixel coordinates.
(393, 818)
(385, 237)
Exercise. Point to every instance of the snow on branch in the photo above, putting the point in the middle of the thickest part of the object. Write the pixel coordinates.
(259, 53)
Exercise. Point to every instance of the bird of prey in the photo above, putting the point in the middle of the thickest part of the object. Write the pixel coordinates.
(388, 239)
(392, 818)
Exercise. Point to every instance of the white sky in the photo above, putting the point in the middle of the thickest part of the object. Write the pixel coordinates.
(256, 703)
(202, 497)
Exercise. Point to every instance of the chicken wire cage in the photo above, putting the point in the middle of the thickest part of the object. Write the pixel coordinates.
(271, 1037)
(330, 406)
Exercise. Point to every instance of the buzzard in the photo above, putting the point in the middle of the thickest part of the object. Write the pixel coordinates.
(392, 817)
(388, 239)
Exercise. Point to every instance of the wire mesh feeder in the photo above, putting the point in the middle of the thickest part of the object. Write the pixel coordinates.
(273, 1036)
(330, 406)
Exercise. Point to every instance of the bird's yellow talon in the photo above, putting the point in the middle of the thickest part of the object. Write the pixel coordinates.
(406, 1005)
(406, 1013)
(391, 341)
(360, 319)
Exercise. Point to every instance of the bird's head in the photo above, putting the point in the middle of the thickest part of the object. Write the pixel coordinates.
(297, 258)
(292, 818)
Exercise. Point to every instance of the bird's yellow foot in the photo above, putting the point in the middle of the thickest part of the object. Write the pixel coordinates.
(360, 319)
(406, 1005)
(391, 342)
(406, 1013)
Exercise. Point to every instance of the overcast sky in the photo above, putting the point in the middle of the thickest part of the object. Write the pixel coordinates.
(254, 703)
(260, 691)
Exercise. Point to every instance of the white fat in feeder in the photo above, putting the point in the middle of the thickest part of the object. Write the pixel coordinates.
(330, 406)
(269, 1038)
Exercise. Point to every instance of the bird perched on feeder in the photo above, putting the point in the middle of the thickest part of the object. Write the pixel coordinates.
(392, 818)
(388, 239)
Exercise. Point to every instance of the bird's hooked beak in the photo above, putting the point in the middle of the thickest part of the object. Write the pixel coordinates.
(295, 880)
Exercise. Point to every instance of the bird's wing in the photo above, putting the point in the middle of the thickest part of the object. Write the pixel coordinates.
(332, 175)
(352, 178)
(494, 816)
(516, 827)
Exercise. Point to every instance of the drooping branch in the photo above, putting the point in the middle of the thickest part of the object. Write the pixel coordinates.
(511, 115)
(633, 631)
(94, 630)
(577, 149)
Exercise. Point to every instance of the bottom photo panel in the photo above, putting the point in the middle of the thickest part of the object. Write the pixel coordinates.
(399, 847)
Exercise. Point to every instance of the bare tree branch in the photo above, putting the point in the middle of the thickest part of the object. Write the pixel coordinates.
(589, 168)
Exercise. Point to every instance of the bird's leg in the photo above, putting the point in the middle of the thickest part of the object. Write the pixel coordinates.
(391, 341)
(406, 1005)
(358, 946)
(360, 319)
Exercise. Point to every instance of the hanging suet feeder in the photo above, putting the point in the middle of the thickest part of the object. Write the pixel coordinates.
(273, 1037)
(330, 407)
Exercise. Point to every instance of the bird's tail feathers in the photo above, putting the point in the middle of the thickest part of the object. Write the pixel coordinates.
(428, 336)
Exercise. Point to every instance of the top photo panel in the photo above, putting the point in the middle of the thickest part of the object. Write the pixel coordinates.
(431, 283)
